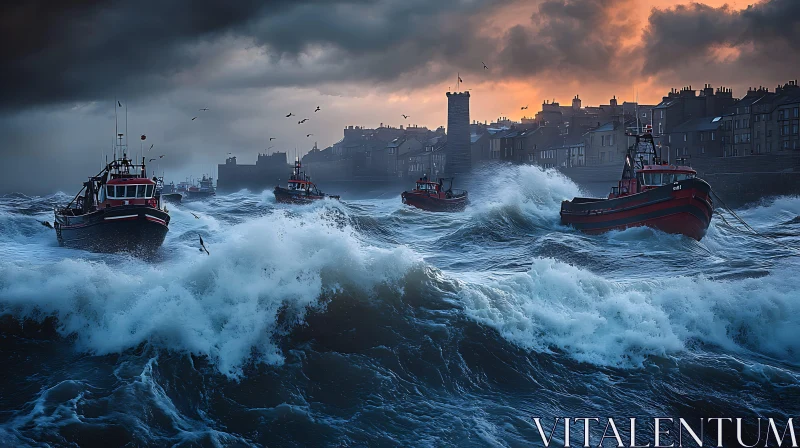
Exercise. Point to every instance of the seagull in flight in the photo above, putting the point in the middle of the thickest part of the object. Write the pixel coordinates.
(309, 135)
(194, 118)
(272, 138)
(151, 160)
(317, 109)
(484, 66)
(523, 108)
(196, 217)
(302, 121)
(270, 148)
(289, 115)
(405, 116)
(120, 104)
(204, 109)
(151, 146)
(161, 156)
(203, 246)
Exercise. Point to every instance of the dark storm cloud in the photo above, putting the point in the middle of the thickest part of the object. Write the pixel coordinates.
(85, 50)
(686, 40)
(575, 37)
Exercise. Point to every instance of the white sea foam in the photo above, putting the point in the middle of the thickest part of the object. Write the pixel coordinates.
(556, 306)
(529, 189)
(224, 305)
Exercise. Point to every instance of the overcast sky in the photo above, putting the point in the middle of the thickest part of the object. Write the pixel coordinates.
(362, 62)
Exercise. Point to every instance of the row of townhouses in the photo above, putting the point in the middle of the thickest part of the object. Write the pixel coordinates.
(687, 123)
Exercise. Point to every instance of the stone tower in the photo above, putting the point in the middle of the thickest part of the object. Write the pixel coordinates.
(458, 139)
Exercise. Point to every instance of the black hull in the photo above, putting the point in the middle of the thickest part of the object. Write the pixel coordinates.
(172, 198)
(286, 196)
(198, 196)
(134, 229)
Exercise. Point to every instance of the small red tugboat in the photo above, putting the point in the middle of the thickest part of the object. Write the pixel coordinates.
(651, 193)
(433, 197)
(120, 210)
(300, 189)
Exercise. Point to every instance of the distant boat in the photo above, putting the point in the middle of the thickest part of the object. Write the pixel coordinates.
(203, 190)
(433, 197)
(300, 189)
(168, 192)
(119, 210)
(651, 193)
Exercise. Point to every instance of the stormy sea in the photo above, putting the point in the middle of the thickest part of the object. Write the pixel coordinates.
(365, 322)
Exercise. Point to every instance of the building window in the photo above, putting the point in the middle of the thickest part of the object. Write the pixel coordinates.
(785, 129)
(530, 157)
(684, 136)
(785, 144)
(702, 150)
(794, 128)
(769, 146)
(796, 112)
(662, 113)
(746, 123)
(702, 136)
(660, 129)
(736, 124)
(669, 138)
(758, 148)
(602, 140)
(611, 140)
(712, 136)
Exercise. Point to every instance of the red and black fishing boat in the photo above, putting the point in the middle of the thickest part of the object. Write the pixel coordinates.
(432, 196)
(119, 209)
(300, 189)
(652, 193)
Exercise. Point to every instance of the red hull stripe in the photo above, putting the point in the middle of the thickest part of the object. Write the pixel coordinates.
(154, 219)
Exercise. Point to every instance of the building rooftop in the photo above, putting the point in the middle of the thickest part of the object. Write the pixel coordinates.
(699, 124)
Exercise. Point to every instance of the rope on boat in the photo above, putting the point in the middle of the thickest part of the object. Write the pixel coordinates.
(747, 226)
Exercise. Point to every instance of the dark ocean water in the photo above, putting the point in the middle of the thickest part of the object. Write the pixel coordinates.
(368, 323)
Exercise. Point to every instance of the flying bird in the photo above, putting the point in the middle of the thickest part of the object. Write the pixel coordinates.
(204, 109)
(272, 138)
(270, 148)
(484, 66)
(302, 121)
(317, 109)
(309, 135)
(203, 246)
(120, 104)
(151, 160)
(151, 146)
(290, 115)
(460, 80)
(523, 108)
(194, 118)
(195, 216)
(161, 156)
(405, 116)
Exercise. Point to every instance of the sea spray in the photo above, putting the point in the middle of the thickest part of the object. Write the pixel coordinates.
(223, 306)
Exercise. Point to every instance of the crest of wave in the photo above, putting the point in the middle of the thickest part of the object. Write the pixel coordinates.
(529, 189)
(557, 306)
(224, 306)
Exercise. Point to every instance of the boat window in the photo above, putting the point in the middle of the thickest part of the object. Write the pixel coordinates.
(140, 190)
(667, 178)
(149, 191)
(120, 191)
(110, 189)
(684, 176)
(652, 178)
(131, 192)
